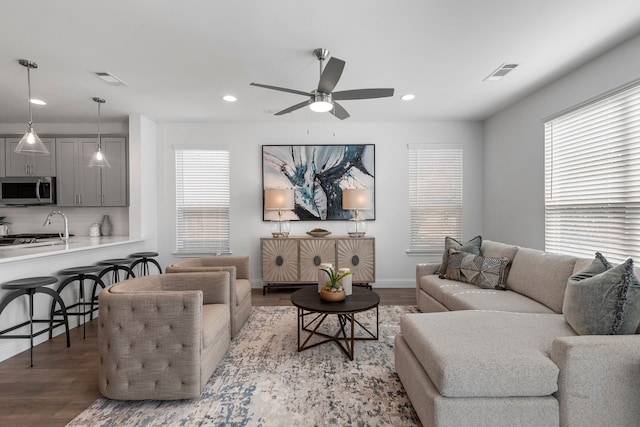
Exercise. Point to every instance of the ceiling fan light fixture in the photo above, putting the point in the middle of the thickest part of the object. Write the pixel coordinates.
(37, 101)
(322, 103)
(408, 97)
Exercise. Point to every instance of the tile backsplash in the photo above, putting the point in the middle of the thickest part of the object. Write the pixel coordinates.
(30, 219)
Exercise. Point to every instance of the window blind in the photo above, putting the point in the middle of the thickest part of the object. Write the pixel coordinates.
(592, 178)
(435, 196)
(202, 201)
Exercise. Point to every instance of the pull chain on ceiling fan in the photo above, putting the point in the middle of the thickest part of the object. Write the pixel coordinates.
(323, 99)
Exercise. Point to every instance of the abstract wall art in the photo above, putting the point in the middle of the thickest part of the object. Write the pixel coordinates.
(318, 174)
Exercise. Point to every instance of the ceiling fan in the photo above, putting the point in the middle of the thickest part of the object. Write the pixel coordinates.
(323, 98)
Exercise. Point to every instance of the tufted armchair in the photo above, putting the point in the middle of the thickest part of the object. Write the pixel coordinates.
(162, 336)
(240, 270)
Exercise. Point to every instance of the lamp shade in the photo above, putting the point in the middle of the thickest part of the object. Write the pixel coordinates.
(278, 198)
(356, 198)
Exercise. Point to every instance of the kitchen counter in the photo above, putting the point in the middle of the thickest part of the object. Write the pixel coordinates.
(75, 244)
(47, 258)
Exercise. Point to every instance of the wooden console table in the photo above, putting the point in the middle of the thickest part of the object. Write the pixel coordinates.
(294, 260)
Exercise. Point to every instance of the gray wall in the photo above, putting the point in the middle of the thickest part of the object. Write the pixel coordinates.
(514, 145)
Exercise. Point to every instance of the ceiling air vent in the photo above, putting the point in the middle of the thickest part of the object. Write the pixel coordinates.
(110, 78)
(500, 72)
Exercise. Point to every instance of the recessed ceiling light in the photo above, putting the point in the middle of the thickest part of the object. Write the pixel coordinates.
(408, 97)
(110, 78)
(230, 98)
(37, 101)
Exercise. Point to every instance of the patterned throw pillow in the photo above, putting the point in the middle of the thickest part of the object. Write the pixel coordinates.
(484, 272)
(472, 247)
(602, 299)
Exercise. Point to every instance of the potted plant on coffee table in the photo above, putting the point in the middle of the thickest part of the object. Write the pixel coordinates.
(332, 290)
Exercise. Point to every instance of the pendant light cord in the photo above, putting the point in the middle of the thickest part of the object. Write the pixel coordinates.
(29, 90)
(99, 141)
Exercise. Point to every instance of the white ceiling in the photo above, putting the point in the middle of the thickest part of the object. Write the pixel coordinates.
(179, 57)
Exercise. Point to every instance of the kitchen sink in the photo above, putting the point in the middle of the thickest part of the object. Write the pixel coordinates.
(29, 240)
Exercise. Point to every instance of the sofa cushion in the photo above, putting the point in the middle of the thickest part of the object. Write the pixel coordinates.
(484, 272)
(485, 353)
(491, 299)
(437, 287)
(472, 247)
(498, 250)
(602, 299)
(541, 276)
(464, 296)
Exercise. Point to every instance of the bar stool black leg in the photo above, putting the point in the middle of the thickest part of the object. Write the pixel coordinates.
(30, 293)
(145, 265)
(57, 297)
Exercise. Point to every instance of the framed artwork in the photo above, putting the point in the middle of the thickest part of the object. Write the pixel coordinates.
(318, 174)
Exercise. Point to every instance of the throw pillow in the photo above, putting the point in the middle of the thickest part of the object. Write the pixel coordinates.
(472, 247)
(484, 272)
(603, 300)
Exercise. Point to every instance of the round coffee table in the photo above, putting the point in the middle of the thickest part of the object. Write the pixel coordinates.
(312, 312)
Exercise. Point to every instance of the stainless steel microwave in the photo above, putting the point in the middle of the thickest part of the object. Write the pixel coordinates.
(22, 191)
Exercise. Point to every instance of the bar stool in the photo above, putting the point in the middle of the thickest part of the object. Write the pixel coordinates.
(143, 259)
(31, 286)
(114, 266)
(79, 274)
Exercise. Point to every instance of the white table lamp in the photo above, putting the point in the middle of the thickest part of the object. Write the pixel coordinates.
(356, 200)
(279, 199)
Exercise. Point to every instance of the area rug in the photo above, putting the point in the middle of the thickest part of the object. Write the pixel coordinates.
(265, 381)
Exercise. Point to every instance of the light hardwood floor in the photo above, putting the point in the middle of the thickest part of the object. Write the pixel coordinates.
(63, 381)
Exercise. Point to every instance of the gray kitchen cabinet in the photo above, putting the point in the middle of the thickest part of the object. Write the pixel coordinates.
(29, 164)
(114, 179)
(2, 156)
(80, 185)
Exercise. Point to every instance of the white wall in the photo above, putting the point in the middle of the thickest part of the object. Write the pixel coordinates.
(394, 267)
(514, 145)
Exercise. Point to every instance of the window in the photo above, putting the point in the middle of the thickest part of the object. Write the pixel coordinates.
(435, 196)
(202, 201)
(592, 178)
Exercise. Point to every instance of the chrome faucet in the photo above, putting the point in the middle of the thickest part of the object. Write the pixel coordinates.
(47, 221)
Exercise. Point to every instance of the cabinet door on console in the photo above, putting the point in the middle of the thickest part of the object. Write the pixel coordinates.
(279, 260)
(358, 255)
(314, 252)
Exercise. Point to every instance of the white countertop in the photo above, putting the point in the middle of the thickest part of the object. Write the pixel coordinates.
(75, 244)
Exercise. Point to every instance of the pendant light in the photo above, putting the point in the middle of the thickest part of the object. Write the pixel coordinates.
(99, 160)
(30, 142)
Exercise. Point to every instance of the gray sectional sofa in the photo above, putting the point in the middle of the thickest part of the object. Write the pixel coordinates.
(489, 357)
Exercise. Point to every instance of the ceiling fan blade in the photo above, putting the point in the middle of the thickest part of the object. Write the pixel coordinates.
(282, 89)
(330, 75)
(293, 108)
(339, 111)
(362, 94)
